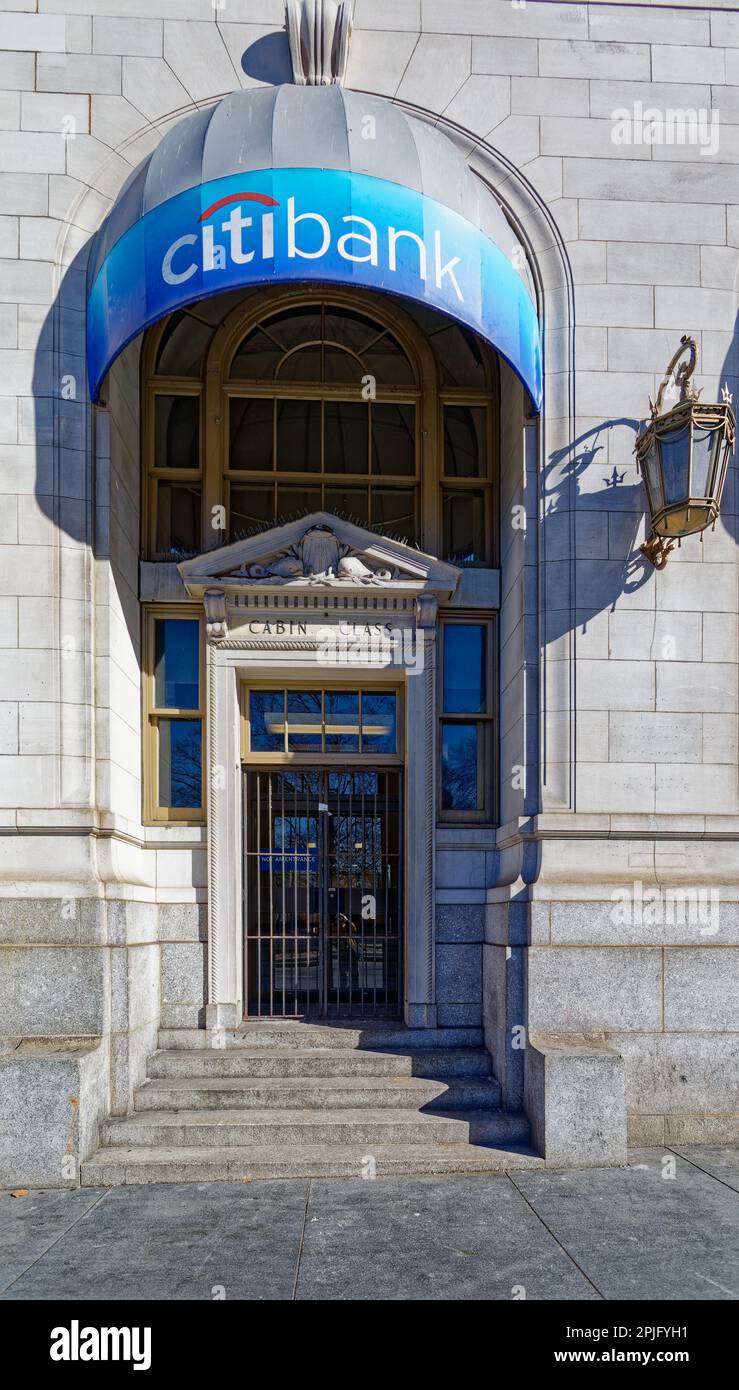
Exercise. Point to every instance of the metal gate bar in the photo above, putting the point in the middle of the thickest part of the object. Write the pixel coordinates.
(313, 943)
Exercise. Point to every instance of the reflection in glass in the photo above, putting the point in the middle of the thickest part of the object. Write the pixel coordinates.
(379, 721)
(177, 432)
(703, 442)
(459, 762)
(464, 668)
(653, 478)
(342, 721)
(267, 721)
(386, 361)
(674, 446)
(459, 356)
(251, 423)
(249, 506)
(178, 518)
(182, 346)
(393, 438)
(345, 436)
(464, 526)
(464, 441)
(340, 366)
(394, 512)
(304, 721)
(176, 663)
(297, 501)
(304, 364)
(299, 436)
(352, 502)
(180, 763)
(257, 358)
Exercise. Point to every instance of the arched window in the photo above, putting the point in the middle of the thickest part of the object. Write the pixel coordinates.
(290, 402)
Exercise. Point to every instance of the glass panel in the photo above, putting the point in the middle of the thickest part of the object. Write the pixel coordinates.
(464, 527)
(459, 356)
(267, 721)
(674, 449)
(351, 502)
(653, 479)
(342, 721)
(182, 347)
(464, 441)
(295, 326)
(256, 358)
(304, 364)
(704, 442)
(178, 518)
(346, 436)
(387, 362)
(340, 365)
(459, 780)
(297, 501)
(304, 721)
(465, 668)
(249, 507)
(393, 439)
(353, 330)
(379, 717)
(177, 432)
(176, 663)
(394, 512)
(180, 763)
(299, 436)
(250, 424)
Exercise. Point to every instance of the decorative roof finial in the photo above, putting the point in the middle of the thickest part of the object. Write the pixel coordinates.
(319, 32)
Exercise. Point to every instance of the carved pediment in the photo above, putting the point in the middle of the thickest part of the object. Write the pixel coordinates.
(319, 551)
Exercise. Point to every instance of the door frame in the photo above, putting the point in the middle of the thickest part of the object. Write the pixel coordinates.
(234, 655)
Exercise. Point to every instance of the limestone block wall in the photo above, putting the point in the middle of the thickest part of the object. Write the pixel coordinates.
(619, 685)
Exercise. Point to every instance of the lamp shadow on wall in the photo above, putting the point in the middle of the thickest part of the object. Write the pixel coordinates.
(593, 511)
(268, 59)
(595, 514)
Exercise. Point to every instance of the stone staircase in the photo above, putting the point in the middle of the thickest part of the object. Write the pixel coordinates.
(292, 1099)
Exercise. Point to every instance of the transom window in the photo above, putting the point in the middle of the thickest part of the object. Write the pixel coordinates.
(343, 722)
(385, 416)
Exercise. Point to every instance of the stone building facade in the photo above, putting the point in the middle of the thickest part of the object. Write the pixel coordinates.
(195, 625)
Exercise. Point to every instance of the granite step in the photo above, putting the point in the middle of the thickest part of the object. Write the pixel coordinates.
(321, 1093)
(224, 1128)
(431, 1063)
(183, 1164)
(289, 1033)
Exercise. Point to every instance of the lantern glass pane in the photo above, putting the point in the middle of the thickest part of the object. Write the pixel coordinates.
(675, 450)
(704, 445)
(653, 479)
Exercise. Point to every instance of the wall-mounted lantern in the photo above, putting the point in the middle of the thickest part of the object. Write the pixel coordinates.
(683, 454)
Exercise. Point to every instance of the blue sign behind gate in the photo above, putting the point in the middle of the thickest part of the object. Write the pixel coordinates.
(277, 225)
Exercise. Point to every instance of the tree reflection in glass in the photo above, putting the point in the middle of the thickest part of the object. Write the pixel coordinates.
(459, 779)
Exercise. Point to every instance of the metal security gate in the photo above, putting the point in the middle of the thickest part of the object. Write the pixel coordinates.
(322, 892)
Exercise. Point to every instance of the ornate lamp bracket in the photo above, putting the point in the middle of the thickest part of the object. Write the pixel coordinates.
(676, 378)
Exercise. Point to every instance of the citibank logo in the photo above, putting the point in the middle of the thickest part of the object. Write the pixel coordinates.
(244, 238)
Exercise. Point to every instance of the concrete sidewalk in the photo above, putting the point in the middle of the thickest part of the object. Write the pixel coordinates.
(632, 1233)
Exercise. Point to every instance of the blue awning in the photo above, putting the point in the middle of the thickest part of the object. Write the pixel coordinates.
(308, 184)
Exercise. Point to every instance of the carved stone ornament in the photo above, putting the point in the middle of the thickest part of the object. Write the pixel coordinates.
(216, 626)
(318, 33)
(318, 557)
